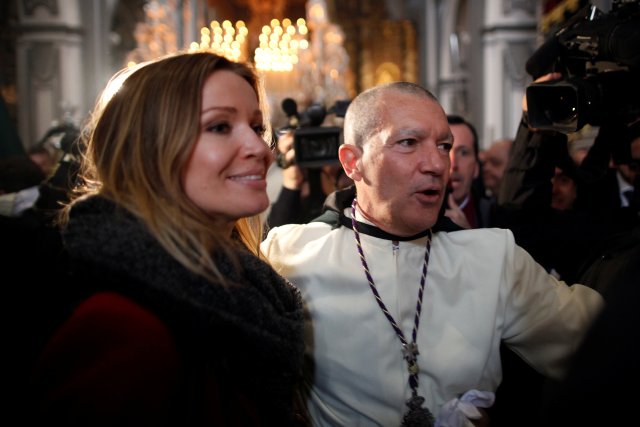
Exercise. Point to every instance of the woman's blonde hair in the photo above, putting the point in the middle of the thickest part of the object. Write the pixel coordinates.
(138, 142)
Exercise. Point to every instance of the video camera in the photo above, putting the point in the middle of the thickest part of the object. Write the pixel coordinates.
(314, 145)
(598, 55)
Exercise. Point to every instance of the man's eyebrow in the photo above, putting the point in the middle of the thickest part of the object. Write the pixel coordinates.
(410, 132)
(447, 138)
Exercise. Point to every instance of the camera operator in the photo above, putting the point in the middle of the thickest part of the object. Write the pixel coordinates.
(596, 243)
(308, 177)
(601, 236)
(569, 240)
(303, 189)
(587, 73)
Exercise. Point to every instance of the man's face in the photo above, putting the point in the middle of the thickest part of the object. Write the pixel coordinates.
(563, 191)
(401, 172)
(464, 166)
(630, 171)
(493, 165)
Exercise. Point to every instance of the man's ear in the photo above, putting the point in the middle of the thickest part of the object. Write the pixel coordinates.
(349, 156)
(476, 170)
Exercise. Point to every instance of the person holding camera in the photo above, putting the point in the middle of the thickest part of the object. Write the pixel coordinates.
(304, 190)
(558, 239)
(406, 310)
(597, 243)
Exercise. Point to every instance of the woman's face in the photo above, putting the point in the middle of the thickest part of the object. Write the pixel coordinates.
(226, 172)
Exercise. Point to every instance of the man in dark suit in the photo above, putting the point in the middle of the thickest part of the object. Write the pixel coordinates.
(467, 204)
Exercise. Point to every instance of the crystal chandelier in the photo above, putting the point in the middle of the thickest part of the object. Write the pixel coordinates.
(223, 39)
(279, 45)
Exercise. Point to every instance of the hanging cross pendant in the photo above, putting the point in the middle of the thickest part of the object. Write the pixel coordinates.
(410, 352)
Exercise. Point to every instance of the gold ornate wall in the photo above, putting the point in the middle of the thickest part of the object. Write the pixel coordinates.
(380, 48)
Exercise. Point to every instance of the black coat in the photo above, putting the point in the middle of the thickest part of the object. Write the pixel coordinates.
(228, 355)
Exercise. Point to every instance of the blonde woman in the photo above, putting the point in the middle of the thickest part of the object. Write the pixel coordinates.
(182, 322)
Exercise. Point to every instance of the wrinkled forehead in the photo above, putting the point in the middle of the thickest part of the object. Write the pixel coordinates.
(412, 111)
(394, 98)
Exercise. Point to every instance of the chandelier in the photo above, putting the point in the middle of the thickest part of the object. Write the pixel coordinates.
(279, 45)
(305, 60)
(278, 48)
(223, 39)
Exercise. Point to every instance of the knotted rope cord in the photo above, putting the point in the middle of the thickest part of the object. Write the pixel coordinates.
(410, 350)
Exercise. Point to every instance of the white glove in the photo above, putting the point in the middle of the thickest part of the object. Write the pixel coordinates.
(457, 412)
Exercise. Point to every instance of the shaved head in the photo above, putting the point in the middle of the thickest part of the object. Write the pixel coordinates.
(364, 118)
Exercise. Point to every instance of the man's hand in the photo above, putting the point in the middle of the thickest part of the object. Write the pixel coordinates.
(292, 176)
(455, 213)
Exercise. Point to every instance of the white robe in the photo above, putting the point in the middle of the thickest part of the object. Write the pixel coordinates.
(481, 289)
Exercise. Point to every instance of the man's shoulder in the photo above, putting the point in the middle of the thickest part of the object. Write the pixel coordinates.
(290, 235)
(471, 239)
(330, 217)
(484, 233)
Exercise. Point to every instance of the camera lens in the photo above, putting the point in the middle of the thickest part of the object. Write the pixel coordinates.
(553, 106)
(562, 106)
